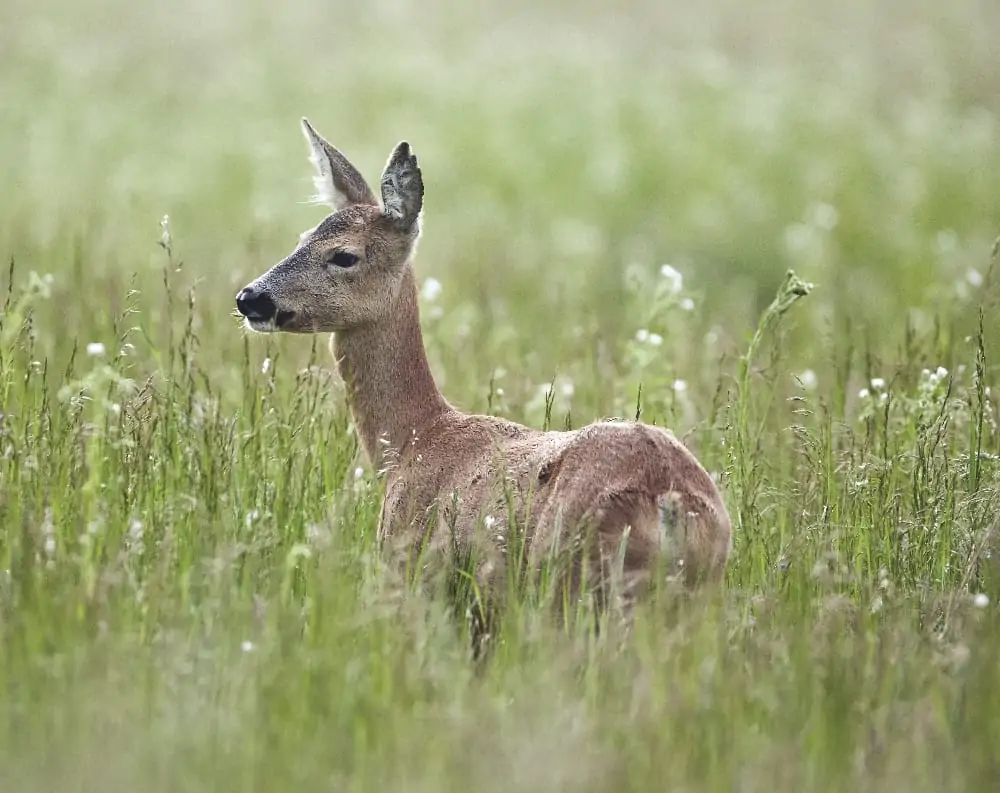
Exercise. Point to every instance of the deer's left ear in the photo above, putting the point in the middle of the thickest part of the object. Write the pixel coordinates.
(338, 183)
(402, 188)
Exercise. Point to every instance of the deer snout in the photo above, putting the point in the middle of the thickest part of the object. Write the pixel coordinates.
(256, 305)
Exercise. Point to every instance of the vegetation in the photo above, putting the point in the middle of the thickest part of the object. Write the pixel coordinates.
(191, 596)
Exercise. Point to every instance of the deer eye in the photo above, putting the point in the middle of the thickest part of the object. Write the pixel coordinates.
(342, 259)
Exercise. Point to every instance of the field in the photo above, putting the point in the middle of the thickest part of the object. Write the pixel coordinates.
(191, 597)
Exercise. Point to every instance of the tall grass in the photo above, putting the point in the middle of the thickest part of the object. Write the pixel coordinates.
(191, 595)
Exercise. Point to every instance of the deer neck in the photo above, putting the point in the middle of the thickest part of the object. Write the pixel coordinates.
(390, 389)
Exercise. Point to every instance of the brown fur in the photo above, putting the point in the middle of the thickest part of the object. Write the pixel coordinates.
(634, 490)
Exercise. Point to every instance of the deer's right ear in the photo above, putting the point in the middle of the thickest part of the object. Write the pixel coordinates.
(338, 183)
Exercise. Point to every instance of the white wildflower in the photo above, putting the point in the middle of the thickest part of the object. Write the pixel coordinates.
(247, 646)
(359, 472)
(981, 600)
(878, 384)
(567, 389)
(165, 236)
(937, 375)
(680, 386)
(687, 304)
(317, 535)
(642, 335)
(673, 275)
(825, 216)
(265, 367)
(863, 393)
(489, 521)
(431, 290)
(95, 348)
(297, 552)
(808, 379)
(974, 277)
(947, 240)
(655, 339)
(798, 238)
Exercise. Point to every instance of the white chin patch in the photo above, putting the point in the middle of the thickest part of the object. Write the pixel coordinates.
(261, 325)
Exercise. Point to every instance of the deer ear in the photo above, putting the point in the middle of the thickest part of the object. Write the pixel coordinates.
(338, 183)
(402, 188)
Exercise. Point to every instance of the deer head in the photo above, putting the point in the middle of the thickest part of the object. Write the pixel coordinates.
(346, 272)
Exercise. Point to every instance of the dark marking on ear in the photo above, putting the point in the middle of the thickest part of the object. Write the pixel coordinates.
(402, 188)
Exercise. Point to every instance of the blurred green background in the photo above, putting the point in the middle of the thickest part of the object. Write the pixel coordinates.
(856, 142)
(190, 597)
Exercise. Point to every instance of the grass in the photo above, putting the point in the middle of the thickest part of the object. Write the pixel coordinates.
(191, 597)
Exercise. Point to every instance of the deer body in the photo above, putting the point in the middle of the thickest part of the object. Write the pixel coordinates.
(638, 496)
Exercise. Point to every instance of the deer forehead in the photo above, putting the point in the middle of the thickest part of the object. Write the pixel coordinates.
(339, 226)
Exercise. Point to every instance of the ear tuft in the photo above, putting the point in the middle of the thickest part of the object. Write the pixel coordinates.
(338, 183)
(402, 188)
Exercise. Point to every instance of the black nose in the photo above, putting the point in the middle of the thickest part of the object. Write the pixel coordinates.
(255, 305)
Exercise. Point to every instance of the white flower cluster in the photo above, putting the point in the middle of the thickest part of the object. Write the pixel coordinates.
(876, 389)
(645, 337)
(936, 376)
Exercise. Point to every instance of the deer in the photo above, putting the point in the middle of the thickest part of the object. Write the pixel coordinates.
(621, 501)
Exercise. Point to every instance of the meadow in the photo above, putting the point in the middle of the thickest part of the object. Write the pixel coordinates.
(191, 595)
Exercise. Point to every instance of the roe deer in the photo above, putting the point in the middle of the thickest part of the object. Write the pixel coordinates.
(455, 480)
